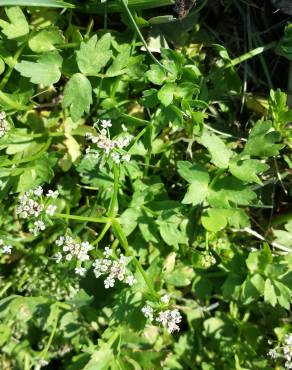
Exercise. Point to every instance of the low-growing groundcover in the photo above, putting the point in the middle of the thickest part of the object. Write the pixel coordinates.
(144, 185)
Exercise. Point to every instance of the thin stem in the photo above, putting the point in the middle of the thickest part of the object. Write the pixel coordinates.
(141, 36)
(252, 53)
(114, 200)
(113, 207)
(10, 69)
(124, 243)
(101, 220)
(46, 349)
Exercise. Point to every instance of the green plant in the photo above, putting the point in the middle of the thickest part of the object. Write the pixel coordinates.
(143, 202)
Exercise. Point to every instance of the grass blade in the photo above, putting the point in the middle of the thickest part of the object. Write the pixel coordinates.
(40, 3)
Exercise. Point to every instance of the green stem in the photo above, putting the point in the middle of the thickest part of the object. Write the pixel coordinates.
(124, 243)
(10, 69)
(113, 207)
(252, 53)
(114, 200)
(140, 35)
(46, 349)
(5, 288)
(101, 220)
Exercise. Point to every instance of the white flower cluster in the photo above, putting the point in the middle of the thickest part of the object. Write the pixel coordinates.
(168, 318)
(103, 142)
(73, 249)
(114, 269)
(284, 352)
(4, 248)
(4, 125)
(32, 204)
(287, 351)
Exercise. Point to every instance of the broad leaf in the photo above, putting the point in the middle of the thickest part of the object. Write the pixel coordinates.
(247, 170)
(94, 55)
(45, 71)
(219, 153)
(45, 40)
(262, 141)
(77, 96)
(18, 25)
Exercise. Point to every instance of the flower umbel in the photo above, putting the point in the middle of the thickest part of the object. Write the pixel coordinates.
(4, 248)
(103, 144)
(4, 125)
(34, 206)
(115, 269)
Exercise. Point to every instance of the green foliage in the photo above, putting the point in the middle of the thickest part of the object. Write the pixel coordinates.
(18, 25)
(78, 95)
(45, 71)
(166, 175)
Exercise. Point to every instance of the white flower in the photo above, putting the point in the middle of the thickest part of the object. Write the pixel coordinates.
(130, 280)
(165, 298)
(72, 249)
(116, 269)
(4, 125)
(6, 249)
(124, 128)
(80, 271)
(148, 312)
(106, 123)
(38, 226)
(60, 241)
(109, 282)
(28, 206)
(51, 210)
(58, 257)
(288, 339)
(52, 194)
(38, 191)
(170, 319)
(273, 353)
(116, 157)
(107, 252)
(43, 363)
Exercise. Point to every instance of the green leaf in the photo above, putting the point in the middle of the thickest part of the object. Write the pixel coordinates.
(45, 40)
(258, 261)
(78, 96)
(214, 220)
(229, 190)
(216, 147)
(120, 63)
(38, 3)
(156, 75)
(181, 276)
(270, 295)
(172, 228)
(247, 170)
(199, 180)
(166, 93)
(18, 25)
(284, 47)
(45, 71)
(94, 55)
(262, 141)
(129, 219)
(284, 237)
